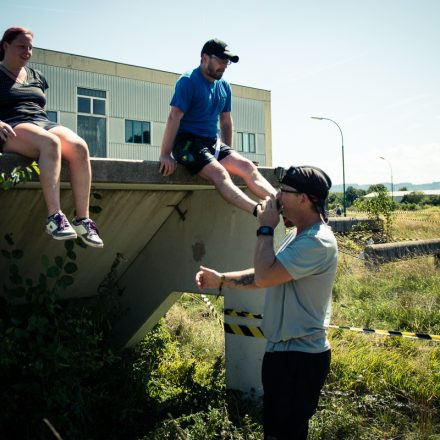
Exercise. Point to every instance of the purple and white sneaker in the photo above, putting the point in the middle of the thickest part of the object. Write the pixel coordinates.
(59, 227)
(87, 232)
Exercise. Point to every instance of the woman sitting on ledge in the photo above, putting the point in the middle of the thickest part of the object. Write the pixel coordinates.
(25, 129)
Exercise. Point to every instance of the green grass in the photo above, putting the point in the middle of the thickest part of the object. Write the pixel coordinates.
(412, 225)
(379, 387)
(398, 296)
(418, 225)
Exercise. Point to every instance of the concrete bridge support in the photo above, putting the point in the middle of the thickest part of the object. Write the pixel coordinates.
(165, 228)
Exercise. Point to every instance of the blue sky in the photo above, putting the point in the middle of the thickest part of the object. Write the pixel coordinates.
(372, 66)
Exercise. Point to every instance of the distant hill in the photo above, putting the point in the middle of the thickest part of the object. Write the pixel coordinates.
(409, 186)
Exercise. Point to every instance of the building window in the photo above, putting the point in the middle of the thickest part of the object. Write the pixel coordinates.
(52, 116)
(246, 142)
(239, 141)
(252, 148)
(91, 120)
(137, 132)
(84, 105)
(91, 101)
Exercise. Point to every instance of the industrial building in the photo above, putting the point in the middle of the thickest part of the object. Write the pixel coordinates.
(121, 110)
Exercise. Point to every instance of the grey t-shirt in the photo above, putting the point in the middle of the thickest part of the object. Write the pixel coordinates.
(297, 313)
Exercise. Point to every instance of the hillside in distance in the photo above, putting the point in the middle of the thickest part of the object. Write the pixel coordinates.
(409, 186)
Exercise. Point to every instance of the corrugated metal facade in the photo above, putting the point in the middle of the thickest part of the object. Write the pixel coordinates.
(128, 98)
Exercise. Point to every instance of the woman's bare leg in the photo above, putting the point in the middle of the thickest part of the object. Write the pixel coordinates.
(35, 142)
(74, 149)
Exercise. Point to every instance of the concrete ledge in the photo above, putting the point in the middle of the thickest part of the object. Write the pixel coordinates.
(119, 173)
(346, 224)
(383, 253)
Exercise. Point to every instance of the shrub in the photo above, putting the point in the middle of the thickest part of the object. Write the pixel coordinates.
(378, 206)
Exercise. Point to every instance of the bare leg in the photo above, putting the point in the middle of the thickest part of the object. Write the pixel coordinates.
(74, 149)
(244, 168)
(37, 143)
(217, 174)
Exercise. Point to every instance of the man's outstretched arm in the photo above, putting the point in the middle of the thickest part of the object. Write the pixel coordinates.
(208, 278)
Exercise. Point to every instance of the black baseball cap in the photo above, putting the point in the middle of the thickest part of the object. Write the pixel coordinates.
(309, 180)
(220, 49)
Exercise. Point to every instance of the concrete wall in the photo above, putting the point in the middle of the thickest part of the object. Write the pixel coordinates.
(385, 252)
(346, 224)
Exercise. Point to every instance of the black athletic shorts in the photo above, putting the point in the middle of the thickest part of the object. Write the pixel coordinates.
(194, 152)
(292, 382)
(43, 123)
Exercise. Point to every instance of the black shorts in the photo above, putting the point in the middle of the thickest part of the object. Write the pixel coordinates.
(43, 123)
(292, 382)
(194, 152)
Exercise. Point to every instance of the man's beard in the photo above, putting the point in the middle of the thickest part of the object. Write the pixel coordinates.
(214, 73)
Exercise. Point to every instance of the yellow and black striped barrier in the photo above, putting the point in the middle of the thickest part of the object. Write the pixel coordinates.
(407, 215)
(422, 220)
(410, 335)
(257, 332)
(243, 330)
(231, 312)
(212, 309)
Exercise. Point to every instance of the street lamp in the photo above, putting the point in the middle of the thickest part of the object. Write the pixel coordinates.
(391, 170)
(343, 166)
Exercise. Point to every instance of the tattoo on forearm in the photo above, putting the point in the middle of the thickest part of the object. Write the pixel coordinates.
(244, 280)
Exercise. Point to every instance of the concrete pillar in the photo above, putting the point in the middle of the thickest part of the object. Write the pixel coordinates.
(244, 354)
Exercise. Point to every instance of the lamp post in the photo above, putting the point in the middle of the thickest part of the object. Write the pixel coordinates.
(343, 165)
(391, 170)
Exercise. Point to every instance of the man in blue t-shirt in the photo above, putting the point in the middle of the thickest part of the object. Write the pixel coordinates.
(298, 279)
(200, 100)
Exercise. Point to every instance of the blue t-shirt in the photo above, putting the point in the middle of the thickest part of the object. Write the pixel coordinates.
(202, 102)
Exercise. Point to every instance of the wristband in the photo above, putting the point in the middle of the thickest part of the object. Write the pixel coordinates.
(222, 281)
(265, 230)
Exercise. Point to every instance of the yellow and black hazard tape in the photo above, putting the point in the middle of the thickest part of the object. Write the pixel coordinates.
(212, 309)
(410, 335)
(231, 312)
(243, 330)
(407, 216)
(420, 220)
(256, 332)
(205, 299)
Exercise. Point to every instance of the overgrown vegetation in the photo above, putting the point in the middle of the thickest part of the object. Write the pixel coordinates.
(58, 362)
(378, 208)
(18, 175)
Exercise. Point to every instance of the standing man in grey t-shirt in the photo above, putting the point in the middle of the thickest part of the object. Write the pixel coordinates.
(299, 279)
